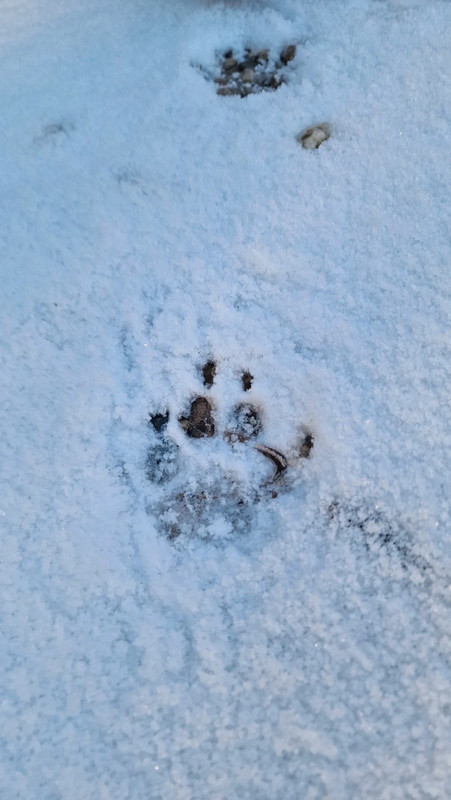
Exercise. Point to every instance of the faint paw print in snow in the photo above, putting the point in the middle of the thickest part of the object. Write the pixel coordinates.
(54, 132)
(215, 496)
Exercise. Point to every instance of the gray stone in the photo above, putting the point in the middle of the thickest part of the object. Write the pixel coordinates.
(247, 76)
(229, 64)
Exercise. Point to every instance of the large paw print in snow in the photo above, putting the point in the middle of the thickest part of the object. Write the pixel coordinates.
(210, 479)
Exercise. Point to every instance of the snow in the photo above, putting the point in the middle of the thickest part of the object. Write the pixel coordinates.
(288, 647)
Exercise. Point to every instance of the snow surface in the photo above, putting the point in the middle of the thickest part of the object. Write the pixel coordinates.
(300, 650)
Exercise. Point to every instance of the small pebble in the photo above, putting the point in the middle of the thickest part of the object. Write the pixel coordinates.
(229, 64)
(288, 53)
(311, 138)
(247, 75)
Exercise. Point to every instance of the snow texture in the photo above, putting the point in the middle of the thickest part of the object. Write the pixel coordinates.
(294, 647)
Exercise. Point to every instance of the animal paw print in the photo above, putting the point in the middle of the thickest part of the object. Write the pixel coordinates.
(187, 508)
(250, 71)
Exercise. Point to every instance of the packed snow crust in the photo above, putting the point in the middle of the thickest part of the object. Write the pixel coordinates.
(295, 647)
